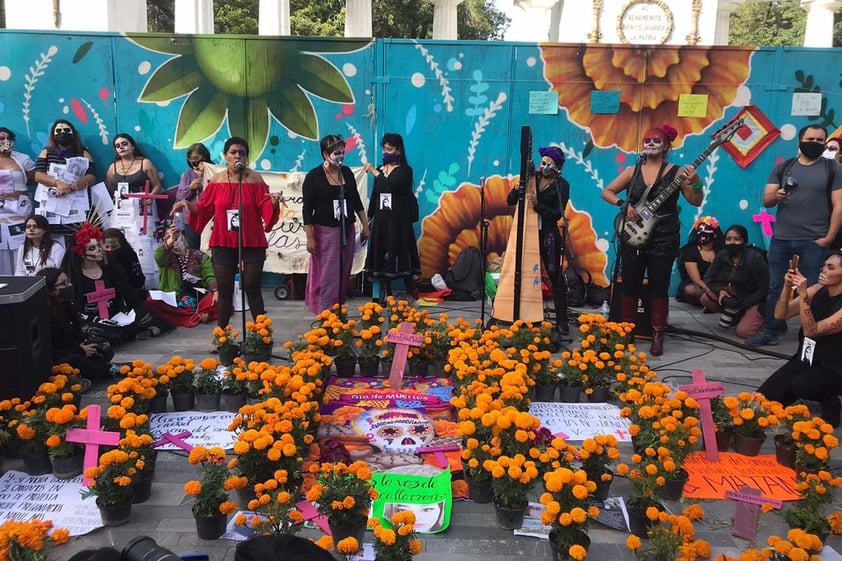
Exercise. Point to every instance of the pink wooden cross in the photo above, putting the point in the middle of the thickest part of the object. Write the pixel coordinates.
(310, 513)
(101, 296)
(93, 437)
(177, 439)
(147, 198)
(438, 452)
(402, 339)
(702, 391)
(765, 219)
(749, 502)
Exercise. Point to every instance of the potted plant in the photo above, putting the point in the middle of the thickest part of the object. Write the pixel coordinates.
(784, 420)
(597, 455)
(722, 422)
(225, 340)
(369, 333)
(512, 478)
(30, 429)
(343, 493)
(817, 492)
(140, 444)
(440, 343)
(750, 418)
(235, 386)
(207, 384)
(340, 333)
(111, 483)
(211, 507)
(673, 537)
(28, 540)
(646, 476)
(258, 341)
(398, 541)
(814, 439)
(566, 510)
(179, 373)
(798, 544)
(274, 508)
(65, 457)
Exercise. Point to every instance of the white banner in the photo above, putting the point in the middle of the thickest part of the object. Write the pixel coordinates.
(24, 497)
(578, 421)
(287, 252)
(206, 429)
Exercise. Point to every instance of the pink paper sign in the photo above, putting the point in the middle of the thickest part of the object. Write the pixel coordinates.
(702, 391)
(101, 296)
(403, 338)
(92, 437)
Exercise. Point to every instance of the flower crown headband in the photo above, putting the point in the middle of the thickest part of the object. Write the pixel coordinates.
(710, 221)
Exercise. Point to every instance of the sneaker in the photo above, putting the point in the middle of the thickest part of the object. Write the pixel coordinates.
(114, 369)
(147, 333)
(762, 339)
(832, 412)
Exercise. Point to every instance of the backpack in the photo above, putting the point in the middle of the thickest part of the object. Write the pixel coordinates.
(465, 278)
(830, 171)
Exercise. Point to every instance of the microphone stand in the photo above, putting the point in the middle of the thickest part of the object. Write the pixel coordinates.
(483, 245)
(240, 174)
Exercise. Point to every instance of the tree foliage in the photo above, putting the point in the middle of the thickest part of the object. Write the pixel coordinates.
(412, 19)
(779, 23)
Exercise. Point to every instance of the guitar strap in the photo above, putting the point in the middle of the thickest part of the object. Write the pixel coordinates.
(653, 192)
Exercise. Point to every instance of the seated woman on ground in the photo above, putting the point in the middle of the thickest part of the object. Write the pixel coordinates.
(101, 291)
(69, 343)
(120, 252)
(814, 372)
(737, 282)
(183, 271)
(695, 258)
(39, 249)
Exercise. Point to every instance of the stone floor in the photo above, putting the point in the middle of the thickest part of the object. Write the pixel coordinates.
(694, 341)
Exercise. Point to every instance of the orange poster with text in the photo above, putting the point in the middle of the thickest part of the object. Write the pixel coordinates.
(710, 480)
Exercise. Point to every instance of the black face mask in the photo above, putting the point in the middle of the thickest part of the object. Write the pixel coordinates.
(735, 249)
(66, 139)
(66, 293)
(705, 238)
(812, 150)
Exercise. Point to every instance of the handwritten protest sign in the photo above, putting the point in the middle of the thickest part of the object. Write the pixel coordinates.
(711, 480)
(24, 497)
(429, 497)
(206, 429)
(578, 421)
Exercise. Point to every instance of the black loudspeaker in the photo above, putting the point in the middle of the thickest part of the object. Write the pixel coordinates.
(25, 343)
(643, 323)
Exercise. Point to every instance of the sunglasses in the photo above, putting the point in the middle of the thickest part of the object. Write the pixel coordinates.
(33, 226)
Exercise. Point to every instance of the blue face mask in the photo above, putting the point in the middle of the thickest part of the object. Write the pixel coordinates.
(389, 158)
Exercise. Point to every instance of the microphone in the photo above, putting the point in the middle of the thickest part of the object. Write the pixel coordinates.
(642, 158)
(240, 166)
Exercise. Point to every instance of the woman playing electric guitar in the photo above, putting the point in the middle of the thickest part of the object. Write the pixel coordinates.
(644, 181)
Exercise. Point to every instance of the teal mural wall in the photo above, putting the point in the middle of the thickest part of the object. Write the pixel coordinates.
(459, 106)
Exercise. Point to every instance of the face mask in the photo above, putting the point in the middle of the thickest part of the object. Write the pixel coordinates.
(389, 157)
(811, 150)
(66, 293)
(734, 249)
(337, 159)
(6, 145)
(829, 154)
(705, 238)
(64, 138)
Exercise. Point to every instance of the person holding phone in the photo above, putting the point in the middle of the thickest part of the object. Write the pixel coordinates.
(814, 372)
(808, 193)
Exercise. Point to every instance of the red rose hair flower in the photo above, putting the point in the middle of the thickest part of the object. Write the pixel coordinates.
(84, 235)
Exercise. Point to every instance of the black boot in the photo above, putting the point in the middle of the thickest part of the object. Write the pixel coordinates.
(832, 411)
(660, 310)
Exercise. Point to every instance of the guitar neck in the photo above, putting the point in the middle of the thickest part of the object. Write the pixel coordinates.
(679, 179)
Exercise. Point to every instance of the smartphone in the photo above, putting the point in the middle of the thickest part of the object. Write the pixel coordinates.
(178, 221)
(794, 262)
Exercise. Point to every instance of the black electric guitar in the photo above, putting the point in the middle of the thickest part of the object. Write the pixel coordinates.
(637, 233)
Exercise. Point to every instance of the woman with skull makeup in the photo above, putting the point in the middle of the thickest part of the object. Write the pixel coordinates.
(392, 209)
(191, 184)
(220, 202)
(650, 176)
(549, 199)
(183, 270)
(329, 195)
(101, 291)
(130, 171)
(17, 170)
(695, 257)
(57, 169)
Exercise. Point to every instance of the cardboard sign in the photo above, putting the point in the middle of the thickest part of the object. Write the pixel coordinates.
(711, 480)
(429, 497)
(206, 429)
(578, 421)
(24, 497)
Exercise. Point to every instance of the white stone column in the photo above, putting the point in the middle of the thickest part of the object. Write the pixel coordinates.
(358, 18)
(723, 20)
(194, 16)
(273, 17)
(819, 32)
(550, 11)
(444, 19)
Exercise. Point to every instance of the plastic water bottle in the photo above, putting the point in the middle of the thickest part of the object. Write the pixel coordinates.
(605, 309)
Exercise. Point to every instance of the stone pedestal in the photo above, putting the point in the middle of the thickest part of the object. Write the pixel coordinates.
(78, 15)
(551, 17)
